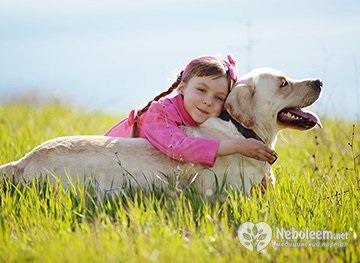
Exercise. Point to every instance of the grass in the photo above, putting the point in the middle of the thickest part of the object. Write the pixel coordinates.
(317, 188)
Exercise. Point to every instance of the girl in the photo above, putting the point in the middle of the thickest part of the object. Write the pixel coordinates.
(202, 89)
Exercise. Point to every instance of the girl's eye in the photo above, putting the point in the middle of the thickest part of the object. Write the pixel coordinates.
(283, 83)
(219, 98)
(201, 90)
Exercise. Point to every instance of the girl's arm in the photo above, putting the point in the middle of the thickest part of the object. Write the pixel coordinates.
(249, 147)
(160, 126)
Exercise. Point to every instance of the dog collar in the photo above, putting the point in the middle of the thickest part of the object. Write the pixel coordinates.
(247, 133)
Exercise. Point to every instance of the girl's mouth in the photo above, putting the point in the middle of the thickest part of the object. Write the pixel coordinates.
(202, 111)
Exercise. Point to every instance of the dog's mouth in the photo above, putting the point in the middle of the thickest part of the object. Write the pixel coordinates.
(298, 118)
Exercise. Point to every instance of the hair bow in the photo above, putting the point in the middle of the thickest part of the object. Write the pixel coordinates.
(231, 65)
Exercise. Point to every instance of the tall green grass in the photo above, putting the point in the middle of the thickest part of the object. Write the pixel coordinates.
(317, 187)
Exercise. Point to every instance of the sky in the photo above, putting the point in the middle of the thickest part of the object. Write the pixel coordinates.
(114, 56)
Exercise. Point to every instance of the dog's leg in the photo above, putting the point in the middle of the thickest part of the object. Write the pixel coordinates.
(267, 181)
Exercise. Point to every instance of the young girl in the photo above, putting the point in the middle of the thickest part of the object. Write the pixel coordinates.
(202, 89)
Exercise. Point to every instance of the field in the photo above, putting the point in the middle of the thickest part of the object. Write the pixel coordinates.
(318, 189)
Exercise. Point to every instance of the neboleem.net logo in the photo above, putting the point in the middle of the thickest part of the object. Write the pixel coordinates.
(257, 237)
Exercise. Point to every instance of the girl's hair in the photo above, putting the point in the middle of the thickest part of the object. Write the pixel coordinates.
(200, 67)
(162, 94)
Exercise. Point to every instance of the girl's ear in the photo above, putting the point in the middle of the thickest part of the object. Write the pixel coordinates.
(181, 87)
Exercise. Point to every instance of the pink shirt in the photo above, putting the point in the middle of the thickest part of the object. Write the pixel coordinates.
(160, 126)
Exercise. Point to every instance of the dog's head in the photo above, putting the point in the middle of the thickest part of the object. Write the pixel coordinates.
(268, 97)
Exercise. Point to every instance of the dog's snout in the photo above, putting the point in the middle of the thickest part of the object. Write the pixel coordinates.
(318, 84)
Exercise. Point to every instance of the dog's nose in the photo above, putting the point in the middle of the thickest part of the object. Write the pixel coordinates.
(318, 84)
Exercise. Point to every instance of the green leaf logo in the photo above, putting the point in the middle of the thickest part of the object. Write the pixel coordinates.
(255, 236)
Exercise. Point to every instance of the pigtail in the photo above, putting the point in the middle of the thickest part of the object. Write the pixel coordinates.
(134, 132)
(161, 95)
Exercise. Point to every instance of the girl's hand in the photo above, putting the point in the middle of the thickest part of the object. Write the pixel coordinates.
(248, 147)
(258, 150)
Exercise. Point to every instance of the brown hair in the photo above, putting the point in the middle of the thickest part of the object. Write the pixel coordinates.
(201, 67)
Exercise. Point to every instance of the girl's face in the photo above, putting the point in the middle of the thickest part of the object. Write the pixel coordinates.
(204, 97)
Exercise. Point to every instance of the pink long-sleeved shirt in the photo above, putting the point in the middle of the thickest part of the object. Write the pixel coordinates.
(160, 126)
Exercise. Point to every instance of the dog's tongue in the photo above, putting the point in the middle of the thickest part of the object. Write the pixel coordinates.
(306, 115)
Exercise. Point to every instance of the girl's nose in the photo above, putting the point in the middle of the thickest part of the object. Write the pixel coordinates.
(208, 101)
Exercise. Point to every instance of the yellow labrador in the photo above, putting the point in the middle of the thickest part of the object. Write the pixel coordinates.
(263, 102)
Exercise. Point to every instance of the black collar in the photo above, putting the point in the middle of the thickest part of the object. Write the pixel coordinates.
(247, 133)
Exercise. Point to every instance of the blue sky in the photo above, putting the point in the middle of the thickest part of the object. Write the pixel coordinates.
(116, 55)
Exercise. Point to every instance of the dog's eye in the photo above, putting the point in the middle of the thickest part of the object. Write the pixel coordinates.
(283, 83)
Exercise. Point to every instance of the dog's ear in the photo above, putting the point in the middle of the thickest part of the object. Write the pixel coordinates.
(239, 103)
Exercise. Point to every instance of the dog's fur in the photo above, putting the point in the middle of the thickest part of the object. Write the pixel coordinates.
(255, 102)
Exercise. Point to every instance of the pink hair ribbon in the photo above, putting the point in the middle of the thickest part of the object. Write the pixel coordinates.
(230, 65)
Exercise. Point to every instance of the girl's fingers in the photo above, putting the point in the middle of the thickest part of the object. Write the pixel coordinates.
(269, 155)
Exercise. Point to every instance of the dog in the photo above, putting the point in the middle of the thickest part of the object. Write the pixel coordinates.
(262, 103)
